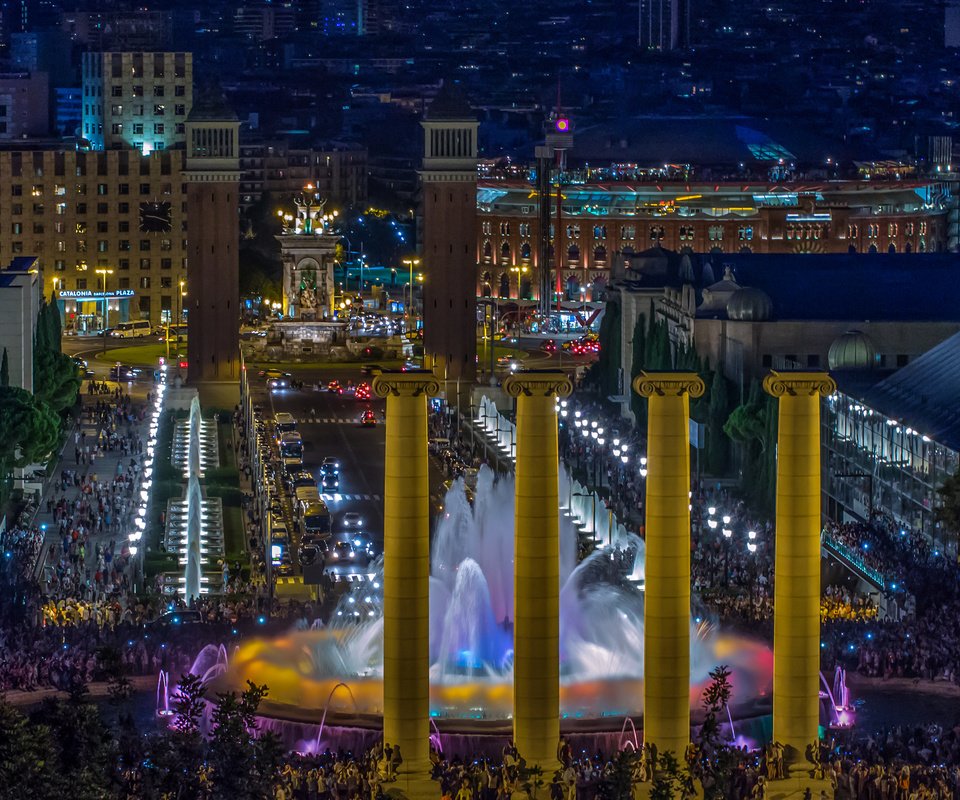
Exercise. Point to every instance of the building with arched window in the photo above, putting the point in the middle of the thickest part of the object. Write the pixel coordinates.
(601, 221)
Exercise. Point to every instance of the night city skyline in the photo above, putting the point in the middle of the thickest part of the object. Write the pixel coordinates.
(479, 401)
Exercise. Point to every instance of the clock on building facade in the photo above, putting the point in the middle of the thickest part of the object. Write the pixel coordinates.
(155, 217)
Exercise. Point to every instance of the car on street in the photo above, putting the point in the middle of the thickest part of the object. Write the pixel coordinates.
(335, 387)
(309, 554)
(273, 373)
(370, 369)
(548, 346)
(279, 532)
(284, 422)
(350, 550)
(363, 391)
(119, 372)
(295, 480)
(330, 466)
(368, 419)
(285, 567)
(330, 483)
(352, 520)
(82, 368)
(275, 384)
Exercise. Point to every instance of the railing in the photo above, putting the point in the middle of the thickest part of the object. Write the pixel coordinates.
(852, 558)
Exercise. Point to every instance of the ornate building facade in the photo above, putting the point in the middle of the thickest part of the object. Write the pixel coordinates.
(603, 220)
(308, 253)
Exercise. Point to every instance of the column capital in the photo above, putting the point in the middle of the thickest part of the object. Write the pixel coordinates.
(797, 384)
(538, 383)
(413, 383)
(672, 384)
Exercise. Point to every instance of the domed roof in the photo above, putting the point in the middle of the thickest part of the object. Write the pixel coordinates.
(718, 293)
(750, 305)
(852, 350)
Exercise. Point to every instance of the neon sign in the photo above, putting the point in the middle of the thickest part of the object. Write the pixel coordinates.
(87, 294)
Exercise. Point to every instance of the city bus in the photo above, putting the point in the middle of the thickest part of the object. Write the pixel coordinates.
(291, 449)
(314, 518)
(128, 330)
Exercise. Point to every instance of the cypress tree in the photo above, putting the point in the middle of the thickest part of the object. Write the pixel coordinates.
(637, 405)
(54, 325)
(718, 409)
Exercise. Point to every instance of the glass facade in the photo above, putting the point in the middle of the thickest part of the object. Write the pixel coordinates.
(878, 465)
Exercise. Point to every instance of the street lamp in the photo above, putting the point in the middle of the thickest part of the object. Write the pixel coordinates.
(181, 295)
(103, 272)
(411, 263)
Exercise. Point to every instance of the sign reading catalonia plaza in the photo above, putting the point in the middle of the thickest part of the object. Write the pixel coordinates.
(87, 294)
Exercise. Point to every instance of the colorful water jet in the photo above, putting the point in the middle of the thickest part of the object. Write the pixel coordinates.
(471, 608)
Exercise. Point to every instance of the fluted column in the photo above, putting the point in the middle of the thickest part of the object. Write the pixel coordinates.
(406, 572)
(536, 571)
(666, 624)
(796, 614)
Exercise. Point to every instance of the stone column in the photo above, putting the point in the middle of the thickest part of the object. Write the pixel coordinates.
(536, 616)
(406, 574)
(796, 634)
(666, 624)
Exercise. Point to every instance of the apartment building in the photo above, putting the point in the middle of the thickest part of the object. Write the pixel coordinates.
(108, 229)
(136, 99)
(337, 170)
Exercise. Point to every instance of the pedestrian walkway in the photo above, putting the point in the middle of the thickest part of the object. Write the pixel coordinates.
(336, 497)
(86, 513)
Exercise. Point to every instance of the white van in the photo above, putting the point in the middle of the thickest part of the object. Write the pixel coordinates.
(128, 330)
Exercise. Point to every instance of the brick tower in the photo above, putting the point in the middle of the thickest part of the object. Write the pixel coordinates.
(449, 179)
(212, 176)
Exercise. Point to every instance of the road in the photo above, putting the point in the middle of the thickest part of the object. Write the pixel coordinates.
(329, 426)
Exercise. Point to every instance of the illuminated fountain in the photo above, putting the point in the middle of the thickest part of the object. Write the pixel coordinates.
(194, 527)
(840, 713)
(471, 608)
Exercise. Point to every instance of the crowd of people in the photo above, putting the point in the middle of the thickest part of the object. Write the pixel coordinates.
(837, 603)
(899, 764)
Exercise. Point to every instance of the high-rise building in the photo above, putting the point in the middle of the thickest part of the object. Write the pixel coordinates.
(212, 177)
(136, 99)
(24, 105)
(663, 24)
(78, 212)
(20, 293)
(449, 179)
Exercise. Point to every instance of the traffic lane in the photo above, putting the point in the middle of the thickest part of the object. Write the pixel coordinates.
(329, 426)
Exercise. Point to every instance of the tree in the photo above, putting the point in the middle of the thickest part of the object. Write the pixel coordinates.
(638, 406)
(242, 767)
(56, 380)
(54, 325)
(5, 369)
(718, 409)
(753, 425)
(610, 350)
(83, 746)
(717, 760)
(29, 430)
(26, 757)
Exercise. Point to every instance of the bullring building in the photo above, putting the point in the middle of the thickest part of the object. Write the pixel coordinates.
(598, 220)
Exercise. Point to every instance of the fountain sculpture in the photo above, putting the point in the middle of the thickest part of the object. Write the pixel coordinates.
(471, 612)
(194, 528)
